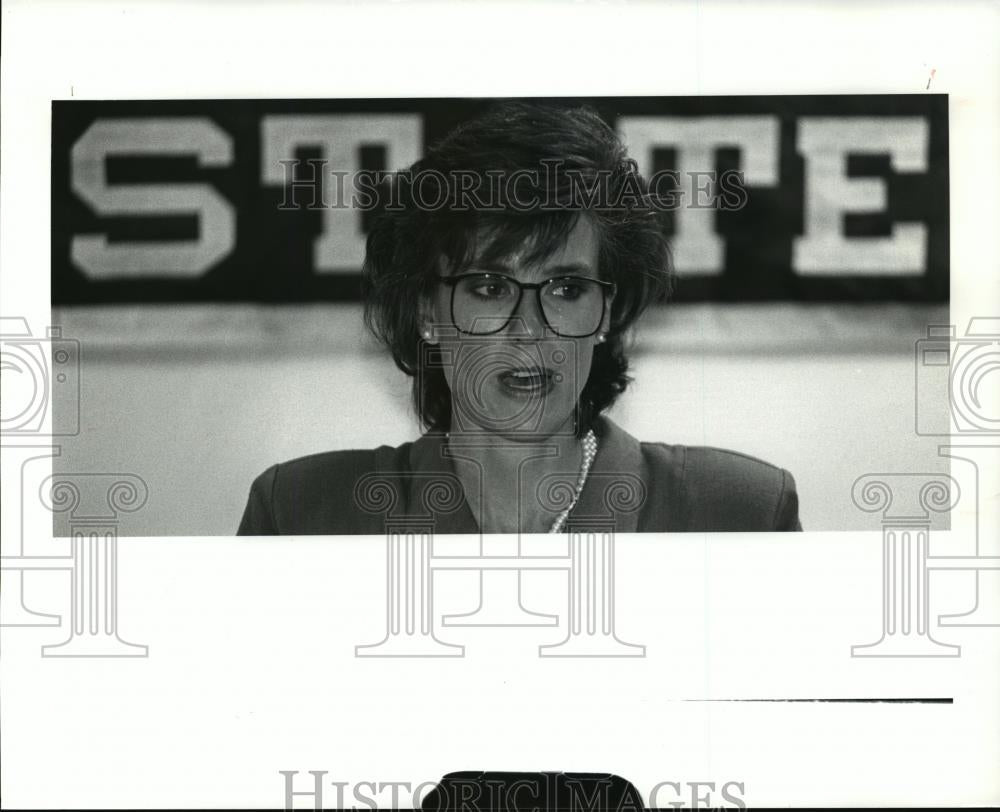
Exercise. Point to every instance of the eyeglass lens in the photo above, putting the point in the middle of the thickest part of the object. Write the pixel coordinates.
(484, 303)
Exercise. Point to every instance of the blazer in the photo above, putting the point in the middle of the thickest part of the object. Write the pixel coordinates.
(632, 487)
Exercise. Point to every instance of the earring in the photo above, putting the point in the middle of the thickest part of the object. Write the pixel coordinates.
(601, 338)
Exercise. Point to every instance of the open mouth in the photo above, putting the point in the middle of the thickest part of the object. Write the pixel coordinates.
(527, 380)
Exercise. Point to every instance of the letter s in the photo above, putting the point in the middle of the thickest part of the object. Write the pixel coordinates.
(152, 136)
(736, 800)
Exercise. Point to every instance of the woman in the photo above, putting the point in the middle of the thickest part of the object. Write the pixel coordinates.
(503, 274)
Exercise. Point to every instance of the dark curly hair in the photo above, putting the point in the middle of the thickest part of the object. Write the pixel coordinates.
(425, 218)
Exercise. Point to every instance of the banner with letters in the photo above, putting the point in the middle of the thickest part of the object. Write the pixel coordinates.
(840, 198)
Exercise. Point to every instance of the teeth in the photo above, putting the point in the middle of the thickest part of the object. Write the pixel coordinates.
(526, 379)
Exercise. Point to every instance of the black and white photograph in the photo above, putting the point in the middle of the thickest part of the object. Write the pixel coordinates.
(621, 379)
(725, 284)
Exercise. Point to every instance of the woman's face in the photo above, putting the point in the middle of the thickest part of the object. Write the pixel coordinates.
(524, 380)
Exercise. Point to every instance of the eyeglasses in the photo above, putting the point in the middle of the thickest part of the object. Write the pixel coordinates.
(484, 303)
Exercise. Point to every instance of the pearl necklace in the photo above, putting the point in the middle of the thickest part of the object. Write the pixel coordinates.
(589, 452)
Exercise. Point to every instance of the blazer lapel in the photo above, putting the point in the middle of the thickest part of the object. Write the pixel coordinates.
(433, 489)
(617, 485)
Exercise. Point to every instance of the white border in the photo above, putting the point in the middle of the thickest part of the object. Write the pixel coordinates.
(96, 50)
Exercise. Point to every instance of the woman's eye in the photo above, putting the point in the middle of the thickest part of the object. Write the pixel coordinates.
(567, 290)
(492, 290)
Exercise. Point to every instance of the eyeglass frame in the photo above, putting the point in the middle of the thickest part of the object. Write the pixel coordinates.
(451, 281)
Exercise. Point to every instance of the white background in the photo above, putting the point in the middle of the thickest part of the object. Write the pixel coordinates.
(251, 668)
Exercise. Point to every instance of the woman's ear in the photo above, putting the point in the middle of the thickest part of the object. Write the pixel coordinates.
(602, 333)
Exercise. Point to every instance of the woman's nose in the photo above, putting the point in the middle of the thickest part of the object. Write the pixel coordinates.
(527, 320)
